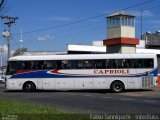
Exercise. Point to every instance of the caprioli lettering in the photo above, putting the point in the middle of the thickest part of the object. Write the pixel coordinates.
(110, 72)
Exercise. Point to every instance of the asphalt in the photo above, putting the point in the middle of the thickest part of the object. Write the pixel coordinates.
(129, 102)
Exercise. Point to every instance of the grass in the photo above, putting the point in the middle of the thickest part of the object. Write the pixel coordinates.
(12, 107)
(14, 110)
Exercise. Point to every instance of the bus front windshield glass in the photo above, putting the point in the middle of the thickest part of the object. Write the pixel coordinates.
(11, 68)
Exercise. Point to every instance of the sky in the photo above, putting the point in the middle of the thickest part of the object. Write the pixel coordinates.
(49, 25)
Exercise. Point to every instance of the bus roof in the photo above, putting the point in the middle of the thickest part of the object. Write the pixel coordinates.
(79, 56)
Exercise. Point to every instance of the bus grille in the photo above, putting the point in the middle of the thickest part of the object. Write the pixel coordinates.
(147, 81)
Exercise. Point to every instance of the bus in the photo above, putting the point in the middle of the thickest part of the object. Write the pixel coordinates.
(117, 72)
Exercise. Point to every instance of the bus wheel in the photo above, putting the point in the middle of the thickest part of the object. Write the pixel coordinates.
(117, 87)
(29, 87)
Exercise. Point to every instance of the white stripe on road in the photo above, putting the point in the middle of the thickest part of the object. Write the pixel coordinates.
(88, 95)
(151, 101)
(107, 97)
(73, 94)
(126, 99)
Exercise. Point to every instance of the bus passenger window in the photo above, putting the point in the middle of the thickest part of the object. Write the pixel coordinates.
(88, 64)
(71, 64)
(148, 63)
(59, 62)
(80, 64)
(137, 63)
(64, 64)
(113, 64)
(26, 65)
(100, 64)
(34, 65)
(107, 64)
(49, 65)
(125, 63)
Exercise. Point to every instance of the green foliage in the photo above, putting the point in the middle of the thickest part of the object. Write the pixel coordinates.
(12, 107)
(20, 51)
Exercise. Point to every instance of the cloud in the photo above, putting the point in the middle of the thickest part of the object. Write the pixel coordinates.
(45, 37)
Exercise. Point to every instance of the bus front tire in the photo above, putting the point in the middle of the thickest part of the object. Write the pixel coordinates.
(29, 87)
(117, 87)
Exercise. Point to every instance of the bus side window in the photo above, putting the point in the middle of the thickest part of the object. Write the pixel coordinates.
(64, 64)
(34, 65)
(40, 65)
(59, 62)
(139, 63)
(148, 63)
(49, 65)
(54, 64)
(107, 64)
(113, 63)
(80, 64)
(71, 64)
(132, 63)
(100, 64)
(125, 63)
(26, 65)
(88, 63)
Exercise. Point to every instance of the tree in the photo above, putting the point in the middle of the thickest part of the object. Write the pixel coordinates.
(20, 51)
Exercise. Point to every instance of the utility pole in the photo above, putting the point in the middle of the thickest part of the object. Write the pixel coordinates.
(11, 20)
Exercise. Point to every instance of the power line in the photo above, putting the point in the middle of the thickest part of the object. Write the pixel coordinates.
(15, 42)
(153, 7)
(83, 20)
(70, 34)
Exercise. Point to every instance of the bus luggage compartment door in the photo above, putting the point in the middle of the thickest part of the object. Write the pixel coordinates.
(39, 84)
(147, 81)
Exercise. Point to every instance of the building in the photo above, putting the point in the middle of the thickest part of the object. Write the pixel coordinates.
(152, 40)
(121, 33)
(121, 38)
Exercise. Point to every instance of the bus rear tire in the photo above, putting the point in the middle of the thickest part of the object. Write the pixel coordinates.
(29, 87)
(117, 87)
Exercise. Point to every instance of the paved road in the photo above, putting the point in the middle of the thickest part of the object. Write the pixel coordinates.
(92, 101)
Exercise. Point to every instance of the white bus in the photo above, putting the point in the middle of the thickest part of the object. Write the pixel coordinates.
(116, 72)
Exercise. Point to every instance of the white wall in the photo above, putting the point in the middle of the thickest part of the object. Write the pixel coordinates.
(122, 31)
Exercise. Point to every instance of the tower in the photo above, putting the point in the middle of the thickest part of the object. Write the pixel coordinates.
(121, 33)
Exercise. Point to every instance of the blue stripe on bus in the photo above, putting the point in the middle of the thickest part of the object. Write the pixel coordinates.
(44, 74)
